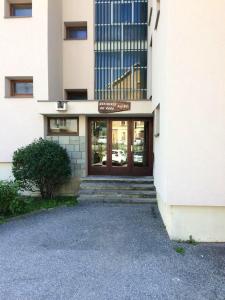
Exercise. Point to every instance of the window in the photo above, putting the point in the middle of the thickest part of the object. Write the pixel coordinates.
(63, 126)
(121, 36)
(21, 88)
(76, 31)
(76, 95)
(20, 9)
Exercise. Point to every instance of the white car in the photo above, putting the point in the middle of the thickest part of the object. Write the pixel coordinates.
(138, 157)
(102, 140)
(118, 157)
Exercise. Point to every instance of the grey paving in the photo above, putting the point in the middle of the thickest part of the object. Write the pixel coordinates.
(104, 251)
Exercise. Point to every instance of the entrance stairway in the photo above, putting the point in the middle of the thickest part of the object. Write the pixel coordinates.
(116, 189)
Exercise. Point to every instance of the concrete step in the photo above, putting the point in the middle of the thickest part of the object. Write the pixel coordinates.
(115, 179)
(116, 186)
(117, 189)
(113, 199)
(119, 193)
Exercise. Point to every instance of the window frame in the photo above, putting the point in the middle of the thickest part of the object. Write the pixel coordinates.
(50, 133)
(77, 26)
(13, 88)
(12, 9)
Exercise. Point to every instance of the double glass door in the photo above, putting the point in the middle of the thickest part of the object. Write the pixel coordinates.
(120, 147)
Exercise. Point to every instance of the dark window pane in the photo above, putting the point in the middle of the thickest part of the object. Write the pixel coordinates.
(77, 33)
(103, 13)
(76, 94)
(108, 33)
(21, 10)
(108, 59)
(140, 12)
(135, 32)
(135, 57)
(122, 12)
(23, 88)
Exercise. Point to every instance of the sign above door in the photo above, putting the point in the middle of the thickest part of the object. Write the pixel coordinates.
(113, 106)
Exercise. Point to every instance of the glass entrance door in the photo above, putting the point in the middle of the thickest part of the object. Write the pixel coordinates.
(120, 147)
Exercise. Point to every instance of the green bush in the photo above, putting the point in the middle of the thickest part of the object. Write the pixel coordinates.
(17, 206)
(8, 196)
(43, 165)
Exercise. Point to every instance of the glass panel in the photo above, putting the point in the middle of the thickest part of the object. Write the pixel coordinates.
(122, 12)
(119, 143)
(120, 49)
(22, 10)
(140, 143)
(99, 143)
(77, 33)
(63, 126)
(103, 13)
(140, 12)
(23, 88)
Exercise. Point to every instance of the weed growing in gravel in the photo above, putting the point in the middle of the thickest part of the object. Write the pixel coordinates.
(180, 250)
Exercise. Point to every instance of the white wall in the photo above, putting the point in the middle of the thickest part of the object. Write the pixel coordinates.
(23, 52)
(196, 96)
(188, 81)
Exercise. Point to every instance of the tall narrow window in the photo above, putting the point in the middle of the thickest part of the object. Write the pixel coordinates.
(121, 49)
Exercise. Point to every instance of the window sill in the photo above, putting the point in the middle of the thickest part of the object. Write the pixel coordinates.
(17, 17)
(75, 39)
(62, 134)
(19, 97)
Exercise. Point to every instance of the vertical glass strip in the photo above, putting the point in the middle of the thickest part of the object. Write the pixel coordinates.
(120, 49)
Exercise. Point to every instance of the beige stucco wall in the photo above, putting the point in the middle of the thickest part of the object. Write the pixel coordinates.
(78, 55)
(188, 83)
(203, 223)
(24, 52)
(55, 51)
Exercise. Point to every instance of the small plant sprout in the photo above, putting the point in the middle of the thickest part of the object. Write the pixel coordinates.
(180, 250)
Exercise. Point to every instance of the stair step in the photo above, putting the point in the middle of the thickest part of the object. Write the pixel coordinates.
(115, 179)
(117, 189)
(111, 199)
(118, 193)
(116, 186)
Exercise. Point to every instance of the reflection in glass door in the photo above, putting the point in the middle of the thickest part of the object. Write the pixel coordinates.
(120, 147)
(99, 143)
(119, 143)
(140, 143)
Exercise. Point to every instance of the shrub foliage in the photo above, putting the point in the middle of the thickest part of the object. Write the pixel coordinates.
(8, 196)
(42, 165)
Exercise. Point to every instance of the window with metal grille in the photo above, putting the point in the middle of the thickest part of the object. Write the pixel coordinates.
(121, 49)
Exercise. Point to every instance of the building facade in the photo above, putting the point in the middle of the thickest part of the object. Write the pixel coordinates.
(132, 87)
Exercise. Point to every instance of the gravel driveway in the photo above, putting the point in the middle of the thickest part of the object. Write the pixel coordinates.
(104, 251)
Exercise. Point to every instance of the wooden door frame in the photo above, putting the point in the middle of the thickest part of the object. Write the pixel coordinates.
(130, 170)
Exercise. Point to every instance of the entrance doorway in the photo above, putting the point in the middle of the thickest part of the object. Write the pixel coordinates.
(120, 146)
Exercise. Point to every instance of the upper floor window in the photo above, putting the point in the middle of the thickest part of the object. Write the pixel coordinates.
(76, 94)
(20, 9)
(76, 31)
(21, 88)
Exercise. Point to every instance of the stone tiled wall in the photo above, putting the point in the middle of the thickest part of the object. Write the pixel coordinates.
(76, 149)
